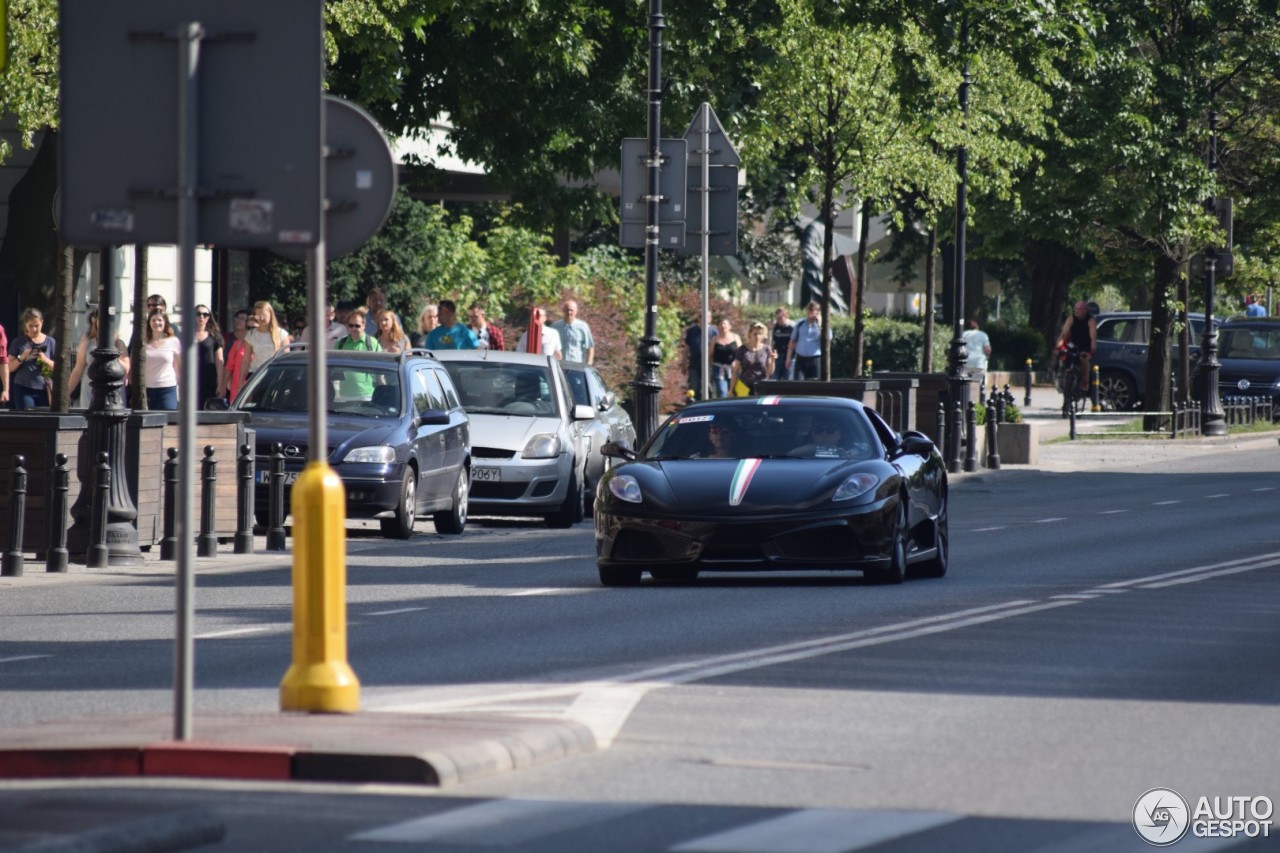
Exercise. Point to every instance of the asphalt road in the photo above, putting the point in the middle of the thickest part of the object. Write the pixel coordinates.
(1099, 634)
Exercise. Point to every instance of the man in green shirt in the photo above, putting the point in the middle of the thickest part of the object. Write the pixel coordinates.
(357, 385)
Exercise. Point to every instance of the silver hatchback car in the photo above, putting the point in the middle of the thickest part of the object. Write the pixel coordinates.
(528, 442)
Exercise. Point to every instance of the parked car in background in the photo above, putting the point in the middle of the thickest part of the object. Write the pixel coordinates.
(398, 435)
(528, 438)
(611, 423)
(1123, 339)
(1249, 352)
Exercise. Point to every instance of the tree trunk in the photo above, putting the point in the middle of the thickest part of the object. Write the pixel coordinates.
(67, 349)
(1155, 397)
(31, 251)
(828, 240)
(930, 281)
(1050, 266)
(860, 288)
(1182, 367)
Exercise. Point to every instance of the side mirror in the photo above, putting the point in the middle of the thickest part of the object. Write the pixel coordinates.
(434, 417)
(916, 443)
(607, 401)
(583, 412)
(617, 450)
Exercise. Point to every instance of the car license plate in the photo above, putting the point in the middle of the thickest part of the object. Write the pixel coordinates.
(486, 475)
(290, 477)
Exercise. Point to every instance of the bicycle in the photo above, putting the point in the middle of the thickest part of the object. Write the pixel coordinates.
(1069, 374)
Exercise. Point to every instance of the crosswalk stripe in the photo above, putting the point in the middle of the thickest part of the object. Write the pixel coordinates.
(817, 831)
(500, 823)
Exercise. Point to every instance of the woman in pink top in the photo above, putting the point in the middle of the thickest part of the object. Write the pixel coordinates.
(163, 361)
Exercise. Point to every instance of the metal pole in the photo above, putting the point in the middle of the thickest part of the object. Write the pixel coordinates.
(956, 354)
(1213, 419)
(190, 35)
(647, 384)
(704, 319)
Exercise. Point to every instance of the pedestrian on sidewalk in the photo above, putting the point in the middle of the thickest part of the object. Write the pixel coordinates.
(978, 347)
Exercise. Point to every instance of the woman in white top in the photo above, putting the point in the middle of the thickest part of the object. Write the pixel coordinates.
(390, 335)
(262, 343)
(163, 362)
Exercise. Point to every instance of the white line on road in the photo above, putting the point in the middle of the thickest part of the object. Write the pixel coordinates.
(1048, 520)
(818, 831)
(1218, 496)
(1112, 511)
(987, 529)
(235, 632)
(395, 612)
(1166, 503)
(17, 658)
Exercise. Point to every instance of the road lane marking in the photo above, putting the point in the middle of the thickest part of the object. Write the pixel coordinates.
(986, 529)
(1210, 497)
(1166, 503)
(396, 611)
(235, 632)
(818, 831)
(17, 658)
(1112, 511)
(1264, 489)
(501, 823)
(545, 590)
(1048, 520)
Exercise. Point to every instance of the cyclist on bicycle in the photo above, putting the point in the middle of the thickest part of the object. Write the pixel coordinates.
(1081, 330)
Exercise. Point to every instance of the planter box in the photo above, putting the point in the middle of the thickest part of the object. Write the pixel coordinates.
(1018, 444)
(38, 436)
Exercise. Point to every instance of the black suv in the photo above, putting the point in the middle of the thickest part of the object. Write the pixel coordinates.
(1123, 338)
(1249, 352)
(397, 434)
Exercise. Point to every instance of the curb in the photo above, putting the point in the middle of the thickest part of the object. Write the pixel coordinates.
(399, 749)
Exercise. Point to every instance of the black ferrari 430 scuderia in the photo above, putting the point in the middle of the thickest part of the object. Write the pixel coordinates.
(773, 484)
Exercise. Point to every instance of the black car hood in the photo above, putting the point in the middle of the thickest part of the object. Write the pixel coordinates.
(747, 485)
(344, 430)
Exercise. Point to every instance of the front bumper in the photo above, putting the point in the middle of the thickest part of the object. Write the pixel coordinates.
(519, 486)
(372, 490)
(856, 538)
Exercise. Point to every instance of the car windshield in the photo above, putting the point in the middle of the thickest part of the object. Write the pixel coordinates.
(1249, 343)
(503, 388)
(371, 390)
(799, 432)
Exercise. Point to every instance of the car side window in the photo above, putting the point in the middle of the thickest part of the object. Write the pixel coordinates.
(427, 393)
(450, 393)
(596, 386)
(578, 386)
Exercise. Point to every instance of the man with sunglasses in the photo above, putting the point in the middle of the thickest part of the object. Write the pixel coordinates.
(356, 338)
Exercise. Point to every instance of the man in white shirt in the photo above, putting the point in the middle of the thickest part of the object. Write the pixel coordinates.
(575, 335)
(551, 344)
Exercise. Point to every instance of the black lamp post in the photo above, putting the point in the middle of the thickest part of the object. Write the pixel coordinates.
(957, 355)
(107, 416)
(1213, 420)
(647, 383)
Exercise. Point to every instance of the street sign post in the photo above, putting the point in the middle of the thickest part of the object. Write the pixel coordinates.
(635, 181)
(713, 207)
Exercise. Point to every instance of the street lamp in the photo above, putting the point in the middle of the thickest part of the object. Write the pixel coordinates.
(647, 383)
(1212, 418)
(957, 356)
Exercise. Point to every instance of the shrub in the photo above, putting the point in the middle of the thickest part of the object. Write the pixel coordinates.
(1011, 346)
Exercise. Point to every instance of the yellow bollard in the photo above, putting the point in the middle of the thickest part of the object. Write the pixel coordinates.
(1097, 399)
(320, 678)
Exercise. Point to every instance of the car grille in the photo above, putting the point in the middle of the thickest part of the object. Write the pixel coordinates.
(828, 543)
(498, 491)
(491, 453)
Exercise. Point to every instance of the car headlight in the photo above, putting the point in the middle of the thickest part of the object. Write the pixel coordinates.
(625, 488)
(855, 487)
(544, 446)
(378, 453)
